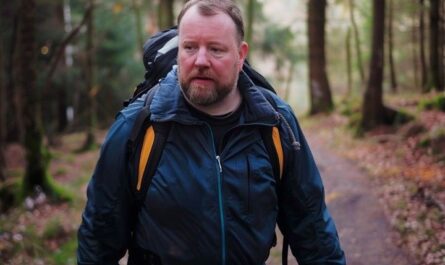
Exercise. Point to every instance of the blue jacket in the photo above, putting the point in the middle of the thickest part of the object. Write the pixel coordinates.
(204, 208)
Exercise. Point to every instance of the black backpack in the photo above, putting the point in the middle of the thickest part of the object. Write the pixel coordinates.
(147, 140)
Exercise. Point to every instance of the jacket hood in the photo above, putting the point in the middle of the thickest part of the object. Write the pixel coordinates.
(169, 103)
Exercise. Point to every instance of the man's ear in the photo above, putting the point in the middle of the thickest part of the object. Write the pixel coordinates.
(243, 50)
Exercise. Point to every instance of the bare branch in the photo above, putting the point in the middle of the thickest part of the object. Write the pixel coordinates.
(58, 54)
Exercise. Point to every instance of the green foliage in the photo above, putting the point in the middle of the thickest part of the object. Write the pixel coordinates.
(55, 192)
(434, 142)
(31, 243)
(352, 109)
(119, 63)
(355, 123)
(349, 107)
(435, 103)
(66, 254)
(280, 41)
(53, 229)
(402, 117)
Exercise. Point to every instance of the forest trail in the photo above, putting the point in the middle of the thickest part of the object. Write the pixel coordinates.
(365, 232)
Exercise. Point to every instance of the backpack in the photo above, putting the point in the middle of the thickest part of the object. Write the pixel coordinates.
(147, 140)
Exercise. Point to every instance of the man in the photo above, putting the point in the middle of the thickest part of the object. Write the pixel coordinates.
(213, 198)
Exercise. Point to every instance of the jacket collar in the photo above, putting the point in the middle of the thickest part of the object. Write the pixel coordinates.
(169, 104)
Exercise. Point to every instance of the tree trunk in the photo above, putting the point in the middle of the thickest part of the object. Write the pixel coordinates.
(374, 113)
(62, 104)
(137, 14)
(348, 63)
(249, 24)
(415, 56)
(320, 92)
(37, 155)
(14, 130)
(423, 64)
(2, 117)
(442, 44)
(153, 26)
(92, 87)
(165, 15)
(435, 59)
(357, 42)
(392, 71)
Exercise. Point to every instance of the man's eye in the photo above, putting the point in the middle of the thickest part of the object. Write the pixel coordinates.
(216, 51)
(189, 48)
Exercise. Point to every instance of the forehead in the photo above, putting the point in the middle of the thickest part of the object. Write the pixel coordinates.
(196, 26)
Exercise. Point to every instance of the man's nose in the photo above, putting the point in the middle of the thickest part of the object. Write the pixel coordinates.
(202, 58)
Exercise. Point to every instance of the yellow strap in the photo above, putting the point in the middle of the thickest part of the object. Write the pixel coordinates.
(145, 154)
(278, 148)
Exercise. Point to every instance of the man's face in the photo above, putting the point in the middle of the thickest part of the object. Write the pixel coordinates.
(209, 57)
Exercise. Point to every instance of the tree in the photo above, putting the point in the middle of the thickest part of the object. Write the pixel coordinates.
(435, 48)
(357, 42)
(2, 117)
(249, 22)
(92, 87)
(414, 41)
(61, 93)
(392, 72)
(166, 17)
(374, 112)
(9, 28)
(37, 155)
(320, 92)
(442, 44)
(422, 52)
(348, 62)
(137, 14)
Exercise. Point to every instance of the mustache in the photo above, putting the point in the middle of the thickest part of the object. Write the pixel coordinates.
(201, 73)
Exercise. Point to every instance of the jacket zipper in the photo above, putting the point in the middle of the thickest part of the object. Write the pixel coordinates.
(220, 199)
(221, 211)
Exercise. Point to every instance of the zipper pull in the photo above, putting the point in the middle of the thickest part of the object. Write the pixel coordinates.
(218, 158)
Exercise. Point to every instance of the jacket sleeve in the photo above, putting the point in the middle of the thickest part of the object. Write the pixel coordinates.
(303, 216)
(104, 233)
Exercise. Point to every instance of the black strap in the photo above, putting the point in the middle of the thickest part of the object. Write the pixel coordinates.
(284, 252)
(162, 131)
(273, 156)
(143, 118)
(135, 141)
(266, 134)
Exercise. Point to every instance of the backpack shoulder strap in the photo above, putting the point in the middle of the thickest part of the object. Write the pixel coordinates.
(272, 140)
(150, 151)
(147, 141)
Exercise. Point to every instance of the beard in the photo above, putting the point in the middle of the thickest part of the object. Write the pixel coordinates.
(209, 92)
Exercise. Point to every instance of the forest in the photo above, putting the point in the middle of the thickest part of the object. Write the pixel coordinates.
(365, 77)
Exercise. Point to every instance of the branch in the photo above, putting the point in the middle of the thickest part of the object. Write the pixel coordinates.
(63, 44)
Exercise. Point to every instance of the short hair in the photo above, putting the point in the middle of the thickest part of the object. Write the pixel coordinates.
(213, 7)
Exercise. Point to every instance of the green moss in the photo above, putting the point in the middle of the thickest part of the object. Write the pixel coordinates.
(402, 117)
(355, 125)
(66, 254)
(349, 107)
(424, 142)
(53, 229)
(436, 103)
(31, 243)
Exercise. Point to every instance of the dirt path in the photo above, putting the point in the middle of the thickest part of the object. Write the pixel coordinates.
(365, 233)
